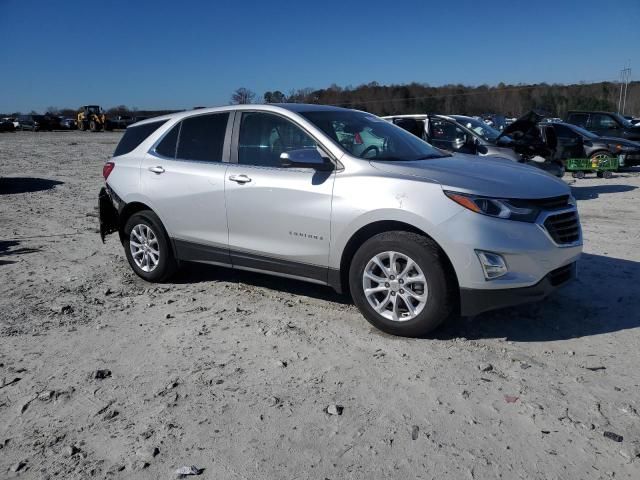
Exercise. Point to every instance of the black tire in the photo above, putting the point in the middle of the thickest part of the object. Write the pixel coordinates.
(167, 264)
(93, 126)
(599, 174)
(579, 174)
(441, 299)
(607, 174)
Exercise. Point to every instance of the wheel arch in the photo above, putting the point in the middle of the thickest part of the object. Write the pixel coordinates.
(134, 207)
(340, 280)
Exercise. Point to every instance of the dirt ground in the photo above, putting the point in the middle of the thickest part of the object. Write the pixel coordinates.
(233, 372)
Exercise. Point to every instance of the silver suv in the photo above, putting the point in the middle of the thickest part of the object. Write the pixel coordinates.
(342, 198)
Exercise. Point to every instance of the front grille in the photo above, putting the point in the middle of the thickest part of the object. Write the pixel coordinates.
(551, 203)
(561, 275)
(564, 227)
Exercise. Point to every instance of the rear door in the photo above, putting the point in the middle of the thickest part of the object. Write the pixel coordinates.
(184, 176)
(279, 218)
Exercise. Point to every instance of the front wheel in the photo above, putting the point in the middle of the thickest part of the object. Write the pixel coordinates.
(148, 248)
(400, 283)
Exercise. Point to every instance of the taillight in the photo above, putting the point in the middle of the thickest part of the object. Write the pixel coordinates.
(106, 170)
(357, 139)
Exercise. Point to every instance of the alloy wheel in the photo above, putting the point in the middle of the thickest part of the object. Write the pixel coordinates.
(144, 247)
(395, 286)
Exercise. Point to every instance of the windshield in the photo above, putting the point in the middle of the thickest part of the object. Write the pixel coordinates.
(582, 131)
(367, 136)
(623, 120)
(485, 131)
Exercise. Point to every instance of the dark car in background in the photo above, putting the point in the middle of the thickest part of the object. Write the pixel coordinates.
(35, 123)
(520, 141)
(606, 124)
(576, 142)
(68, 123)
(6, 125)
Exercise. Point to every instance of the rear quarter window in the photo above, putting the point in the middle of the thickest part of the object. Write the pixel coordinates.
(134, 136)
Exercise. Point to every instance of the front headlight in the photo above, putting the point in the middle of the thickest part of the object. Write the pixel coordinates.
(495, 207)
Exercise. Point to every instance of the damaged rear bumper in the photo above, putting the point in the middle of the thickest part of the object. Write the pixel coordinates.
(109, 206)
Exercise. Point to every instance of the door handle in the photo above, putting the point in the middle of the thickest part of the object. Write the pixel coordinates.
(241, 179)
(157, 169)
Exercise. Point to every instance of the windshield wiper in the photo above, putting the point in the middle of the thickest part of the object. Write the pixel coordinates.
(432, 156)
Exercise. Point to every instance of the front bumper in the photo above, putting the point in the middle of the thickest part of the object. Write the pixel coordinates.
(476, 301)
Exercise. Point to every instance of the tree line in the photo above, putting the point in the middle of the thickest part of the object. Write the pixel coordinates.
(510, 100)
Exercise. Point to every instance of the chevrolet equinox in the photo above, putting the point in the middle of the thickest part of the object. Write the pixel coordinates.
(342, 198)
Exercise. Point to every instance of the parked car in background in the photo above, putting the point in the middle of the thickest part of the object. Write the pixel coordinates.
(35, 123)
(121, 121)
(54, 122)
(499, 122)
(6, 125)
(68, 123)
(576, 142)
(415, 234)
(463, 134)
(606, 124)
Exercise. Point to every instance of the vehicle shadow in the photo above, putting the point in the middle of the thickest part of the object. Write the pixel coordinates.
(603, 299)
(7, 250)
(14, 185)
(594, 191)
(198, 272)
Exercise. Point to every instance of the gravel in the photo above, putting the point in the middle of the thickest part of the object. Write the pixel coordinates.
(201, 360)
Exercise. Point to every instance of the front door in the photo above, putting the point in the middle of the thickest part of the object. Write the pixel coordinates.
(605, 125)
(448, 136)
(184, 175)
(278, 217)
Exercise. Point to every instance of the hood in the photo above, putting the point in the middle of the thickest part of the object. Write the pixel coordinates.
(523, 124)
(488, 176)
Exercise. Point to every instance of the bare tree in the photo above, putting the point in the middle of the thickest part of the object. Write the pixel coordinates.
(242, 96)
(274, 97)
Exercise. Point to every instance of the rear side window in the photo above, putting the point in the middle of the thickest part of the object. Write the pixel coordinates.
(167, 147)
(202, 137)
(134, 136)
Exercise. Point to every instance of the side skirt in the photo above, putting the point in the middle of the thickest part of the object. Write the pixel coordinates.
(195, 252)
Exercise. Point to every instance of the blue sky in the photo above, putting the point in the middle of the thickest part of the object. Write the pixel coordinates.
(179, 54)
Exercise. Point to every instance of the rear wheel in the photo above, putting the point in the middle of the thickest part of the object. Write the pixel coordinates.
(607, 174)
(579, 174)
(399, 282)
(148, 248)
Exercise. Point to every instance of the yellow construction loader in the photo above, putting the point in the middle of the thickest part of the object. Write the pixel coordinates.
(91, 117)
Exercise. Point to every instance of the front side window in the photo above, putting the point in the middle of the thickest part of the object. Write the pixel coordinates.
(202, 137)
(446, 131)
(264, 137)
(367, 136)
(600, 121)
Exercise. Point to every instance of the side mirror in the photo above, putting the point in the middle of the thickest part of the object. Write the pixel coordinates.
(305, 158)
